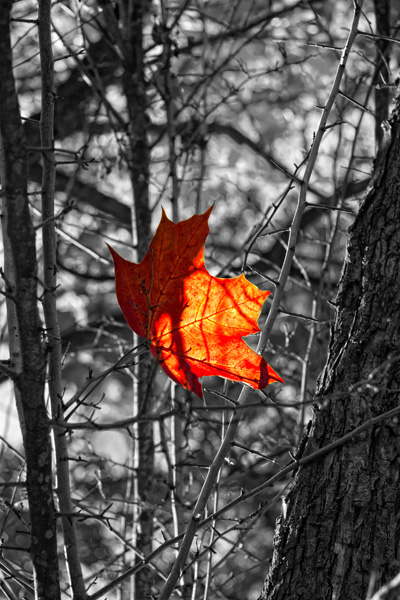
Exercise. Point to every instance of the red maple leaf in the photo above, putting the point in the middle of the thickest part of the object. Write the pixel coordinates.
(192, 321)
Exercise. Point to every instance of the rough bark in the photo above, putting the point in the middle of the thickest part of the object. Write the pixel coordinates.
(23, 293)
(342, 520)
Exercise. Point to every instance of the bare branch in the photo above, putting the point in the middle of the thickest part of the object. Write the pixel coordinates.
(294, 231)
(49, 297)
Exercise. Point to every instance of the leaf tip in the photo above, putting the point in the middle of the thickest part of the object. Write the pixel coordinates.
(113, 252)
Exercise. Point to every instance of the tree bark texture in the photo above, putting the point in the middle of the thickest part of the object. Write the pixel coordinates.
(342, 519)
(30, 377)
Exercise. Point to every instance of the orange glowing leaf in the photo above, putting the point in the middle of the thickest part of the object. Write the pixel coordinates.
(192, 321)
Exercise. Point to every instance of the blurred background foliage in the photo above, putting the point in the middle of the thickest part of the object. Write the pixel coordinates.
(234, 93)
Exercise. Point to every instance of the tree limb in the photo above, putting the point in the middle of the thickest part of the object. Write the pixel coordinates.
(54, 350)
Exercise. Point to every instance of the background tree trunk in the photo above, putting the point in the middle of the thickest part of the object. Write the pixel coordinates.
(138, 160)
(341, 532)
(24, 326)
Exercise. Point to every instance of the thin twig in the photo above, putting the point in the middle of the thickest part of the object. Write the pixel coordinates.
(254, 492)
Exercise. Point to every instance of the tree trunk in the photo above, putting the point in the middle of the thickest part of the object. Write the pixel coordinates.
(340, 537)
(24, 326)
(138, 158)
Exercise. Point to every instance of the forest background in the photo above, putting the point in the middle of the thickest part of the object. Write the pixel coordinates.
(205, 102)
